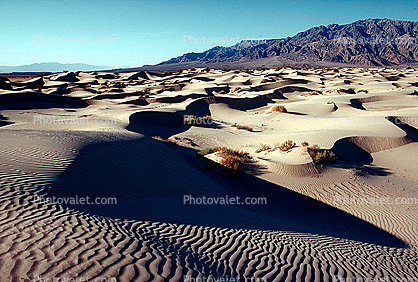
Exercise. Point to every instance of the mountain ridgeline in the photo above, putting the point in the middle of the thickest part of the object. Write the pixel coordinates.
(372, 42)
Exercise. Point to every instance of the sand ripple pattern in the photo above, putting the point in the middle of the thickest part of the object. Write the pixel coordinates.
(50, 241)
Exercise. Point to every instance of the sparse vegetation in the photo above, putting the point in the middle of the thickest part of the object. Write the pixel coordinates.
(263, 147)
(363, 91)
(287, 145)
(263, 81)
(237, 90)
(243, 127)
(169, 89)
(232, 160)
(222, 92)
(305, 144)
(279, 108)
(319, 155)
(311, 93)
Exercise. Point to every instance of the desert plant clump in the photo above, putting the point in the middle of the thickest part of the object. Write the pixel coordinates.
(237, 90)
(222, 92)
(287, 145)
(207, 151)
(279, 108)
(311, 93)
(232, 160)
(263, 81)
(319, 155)
(263, 147)
(305, 144)
(243, 127)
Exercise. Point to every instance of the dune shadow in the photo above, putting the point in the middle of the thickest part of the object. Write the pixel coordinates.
(347, 151)
(150, 181)
(164, 123)
(411, 132)
(35, 100)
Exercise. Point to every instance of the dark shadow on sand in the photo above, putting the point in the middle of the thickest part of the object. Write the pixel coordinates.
(127, 170)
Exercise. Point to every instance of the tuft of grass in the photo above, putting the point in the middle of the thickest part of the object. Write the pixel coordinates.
(263, 147)
(243, 127)
(279, 108)
(287, 145)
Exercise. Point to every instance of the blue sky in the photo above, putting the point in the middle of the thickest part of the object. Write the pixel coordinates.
(134, 32)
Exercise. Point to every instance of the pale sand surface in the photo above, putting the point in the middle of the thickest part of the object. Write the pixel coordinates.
(305, 232)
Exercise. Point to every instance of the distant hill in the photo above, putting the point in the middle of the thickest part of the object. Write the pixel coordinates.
(50, 67)
(371, 42)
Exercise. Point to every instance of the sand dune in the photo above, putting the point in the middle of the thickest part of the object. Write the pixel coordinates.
(124, 136)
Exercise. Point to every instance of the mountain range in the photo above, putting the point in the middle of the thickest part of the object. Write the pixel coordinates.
(49, 67)
(371, 42)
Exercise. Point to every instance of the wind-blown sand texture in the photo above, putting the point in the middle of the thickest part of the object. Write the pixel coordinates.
(125, 137)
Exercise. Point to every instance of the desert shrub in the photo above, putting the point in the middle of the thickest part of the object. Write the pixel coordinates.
(287, 145)
(264, 81)
(232, 160)
(363, 90)
(237, 90)
(231, 163)
(279, 108)
(168, 72)
(158, 138)
(263, 147)
(207, 151)
(222, 92)
(169, 89)
(319, 155)
(305, 144)
(311, 93)
(243, 127)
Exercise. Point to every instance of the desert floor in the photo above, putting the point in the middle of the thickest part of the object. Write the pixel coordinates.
(125, 137)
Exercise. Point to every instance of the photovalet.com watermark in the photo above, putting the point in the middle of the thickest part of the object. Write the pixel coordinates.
(76, 200)
(227, 200)
(44, 120)
(339, 278)
(373, 120)
(40, 278)
(39, 39)
(224, 40)
(375, 200)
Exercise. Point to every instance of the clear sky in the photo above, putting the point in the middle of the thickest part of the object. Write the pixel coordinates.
(124, 33)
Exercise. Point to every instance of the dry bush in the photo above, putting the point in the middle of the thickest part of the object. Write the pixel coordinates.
(243, 127)
(319, 155)
(263, 147)
(287, 145)
(279, 108)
